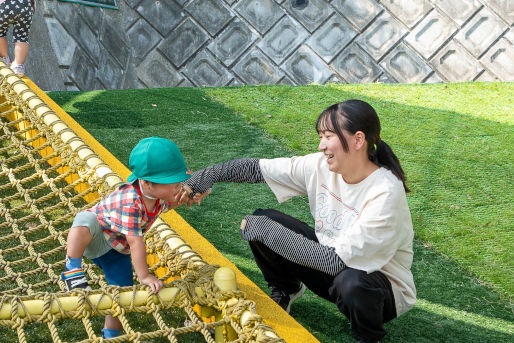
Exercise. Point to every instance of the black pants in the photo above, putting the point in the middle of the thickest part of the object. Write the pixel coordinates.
(367, 300)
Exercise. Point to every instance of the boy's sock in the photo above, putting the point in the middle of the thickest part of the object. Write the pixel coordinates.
(75, 278)
(110, 333)
(73, 263)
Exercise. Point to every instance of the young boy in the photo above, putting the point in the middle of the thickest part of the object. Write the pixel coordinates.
(111, 232)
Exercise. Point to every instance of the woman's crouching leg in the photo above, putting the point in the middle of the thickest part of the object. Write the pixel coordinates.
(367, 300)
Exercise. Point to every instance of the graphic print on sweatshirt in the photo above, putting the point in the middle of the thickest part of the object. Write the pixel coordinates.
(332, 216)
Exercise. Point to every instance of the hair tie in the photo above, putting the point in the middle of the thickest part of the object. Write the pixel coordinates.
(375, 146)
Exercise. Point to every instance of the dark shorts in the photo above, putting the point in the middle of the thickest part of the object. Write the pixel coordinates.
(117, 268)
(17, 13)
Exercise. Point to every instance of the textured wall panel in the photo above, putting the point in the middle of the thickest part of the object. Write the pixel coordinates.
(165, 43)
(381, 36)
(480, 32)
(455, 63)
(232, 42)
(408, 12)
(332, 37)
(355, 66)
(183, 42)
(144, 36)
(163, 15)
(255, 68)
(157, 69)
(360, 13)
(312, 18)
(283, 39)
(431, 33)
(499, 59)
(204, 70)
(405, 65)
(211, 14)
(304, 66)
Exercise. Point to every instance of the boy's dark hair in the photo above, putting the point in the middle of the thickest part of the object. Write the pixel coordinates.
(357, 115)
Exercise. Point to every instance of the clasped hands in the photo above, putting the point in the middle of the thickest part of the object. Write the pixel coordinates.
(189, 198)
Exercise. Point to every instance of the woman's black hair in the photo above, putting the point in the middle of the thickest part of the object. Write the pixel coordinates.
(357, 115)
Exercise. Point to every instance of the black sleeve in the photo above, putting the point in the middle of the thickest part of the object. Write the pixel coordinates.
(291, 245)
(241, 170)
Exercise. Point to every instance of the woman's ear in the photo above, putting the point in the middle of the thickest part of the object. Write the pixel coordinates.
(359, 140)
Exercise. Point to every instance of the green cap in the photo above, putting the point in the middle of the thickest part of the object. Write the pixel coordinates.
(158, 160)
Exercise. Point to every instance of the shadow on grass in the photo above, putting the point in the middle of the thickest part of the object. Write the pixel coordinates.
(445, 161)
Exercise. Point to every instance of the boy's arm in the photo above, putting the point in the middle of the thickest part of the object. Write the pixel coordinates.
(138, 254)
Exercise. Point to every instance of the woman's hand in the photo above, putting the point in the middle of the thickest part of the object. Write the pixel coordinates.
(154, 283)
(193, 199)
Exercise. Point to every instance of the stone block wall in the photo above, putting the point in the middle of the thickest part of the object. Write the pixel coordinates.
(167, 43)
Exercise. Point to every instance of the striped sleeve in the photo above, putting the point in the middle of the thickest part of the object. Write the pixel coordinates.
(240, 170)
(291, 245)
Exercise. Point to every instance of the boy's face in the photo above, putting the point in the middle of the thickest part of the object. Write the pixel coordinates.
(173, 192)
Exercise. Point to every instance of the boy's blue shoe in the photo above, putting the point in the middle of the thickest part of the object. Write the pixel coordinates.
(110, 333)
(75, 278)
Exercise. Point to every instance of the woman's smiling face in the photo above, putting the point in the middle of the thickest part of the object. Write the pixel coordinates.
(332, 147)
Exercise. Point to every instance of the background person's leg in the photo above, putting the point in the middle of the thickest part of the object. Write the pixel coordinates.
(21, 50)
(3, 49)
(21, 30)
(5, 21)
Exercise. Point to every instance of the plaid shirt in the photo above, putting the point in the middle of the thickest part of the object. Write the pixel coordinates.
(123, 213)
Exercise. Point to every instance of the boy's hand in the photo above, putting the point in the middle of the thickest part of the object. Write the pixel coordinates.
(138, 255)
(154, 283)
(182, 197)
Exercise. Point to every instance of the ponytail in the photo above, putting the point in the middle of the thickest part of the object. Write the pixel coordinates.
(384, 156)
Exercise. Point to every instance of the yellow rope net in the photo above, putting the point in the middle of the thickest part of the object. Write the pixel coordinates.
(47, 175)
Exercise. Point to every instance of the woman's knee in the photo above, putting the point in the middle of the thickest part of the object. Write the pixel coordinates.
(289, 222)
(269, 212)
(347, 286)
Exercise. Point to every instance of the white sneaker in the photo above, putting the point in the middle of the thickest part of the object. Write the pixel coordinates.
(18, 69)
(6, 60)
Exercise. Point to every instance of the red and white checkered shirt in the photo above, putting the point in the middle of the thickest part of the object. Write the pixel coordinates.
(123, 213)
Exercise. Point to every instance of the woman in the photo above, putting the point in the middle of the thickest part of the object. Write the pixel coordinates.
(360, 253)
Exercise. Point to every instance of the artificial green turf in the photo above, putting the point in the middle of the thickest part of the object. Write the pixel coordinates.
(454, 141)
